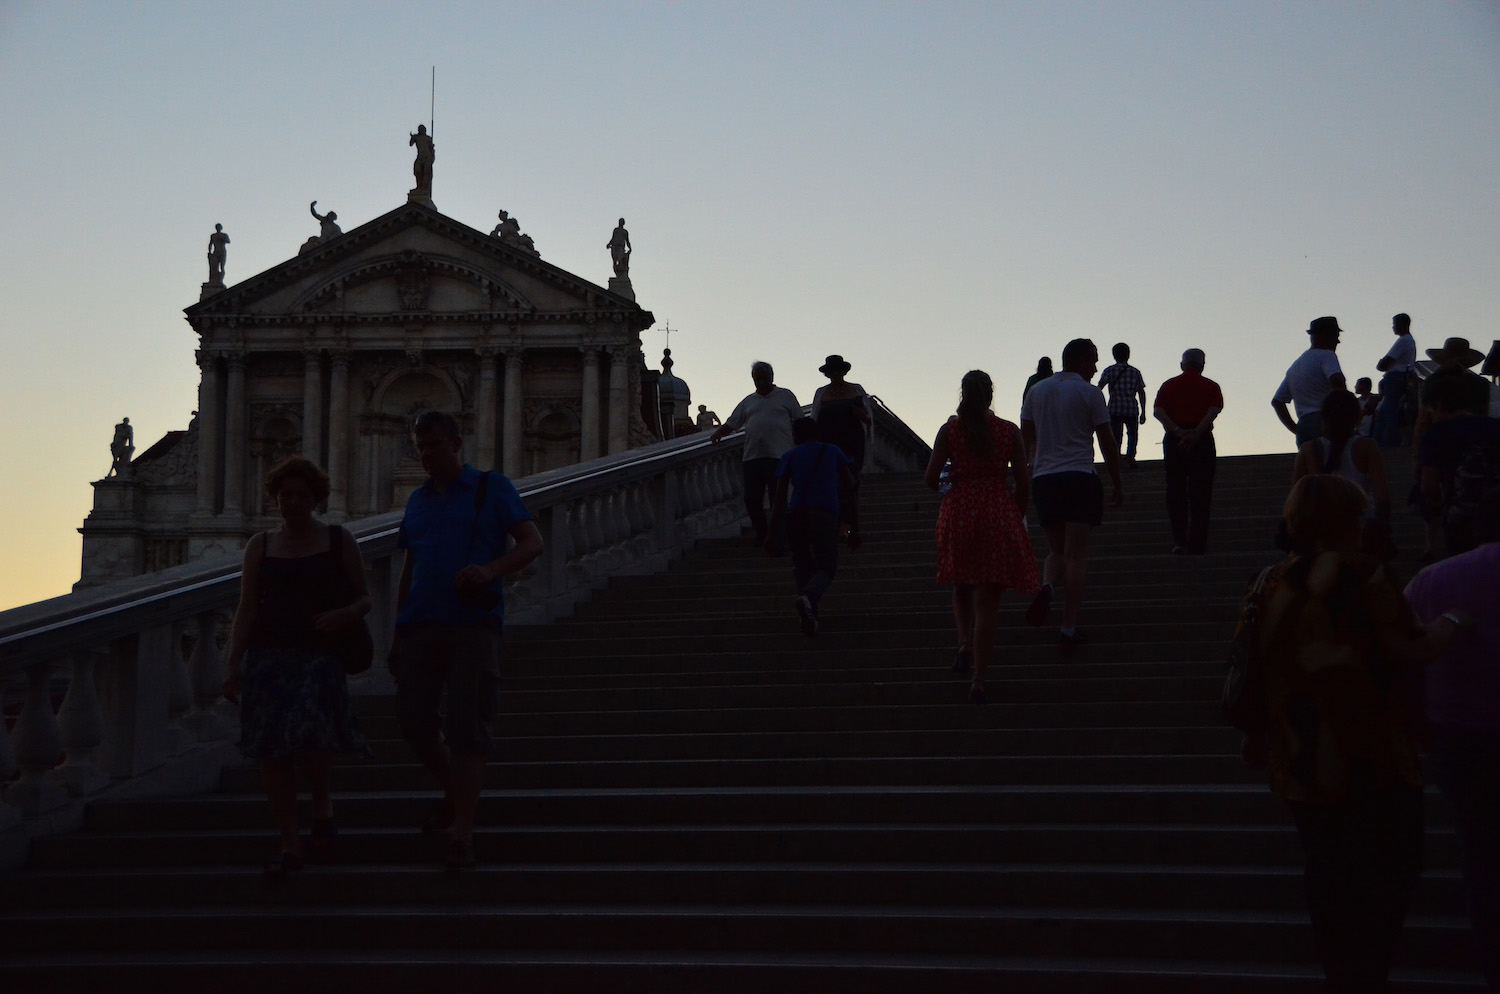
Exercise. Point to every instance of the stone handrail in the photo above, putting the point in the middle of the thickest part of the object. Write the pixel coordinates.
(139, 661)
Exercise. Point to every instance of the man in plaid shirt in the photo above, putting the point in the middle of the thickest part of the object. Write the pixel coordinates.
(1127, 399)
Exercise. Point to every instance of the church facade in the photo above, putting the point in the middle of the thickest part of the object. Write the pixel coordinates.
(332, 353)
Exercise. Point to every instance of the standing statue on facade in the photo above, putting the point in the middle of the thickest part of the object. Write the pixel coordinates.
(217, 254)
(619, 250)
(706, 418)
(121, 448)
(422, 168)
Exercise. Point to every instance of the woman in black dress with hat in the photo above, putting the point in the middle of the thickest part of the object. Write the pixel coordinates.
(842, 413)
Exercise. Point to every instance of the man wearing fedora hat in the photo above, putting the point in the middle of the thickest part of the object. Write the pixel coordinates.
(1314, 375)
(1454, 360)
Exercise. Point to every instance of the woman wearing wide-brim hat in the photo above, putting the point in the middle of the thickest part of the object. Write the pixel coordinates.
(842, 413)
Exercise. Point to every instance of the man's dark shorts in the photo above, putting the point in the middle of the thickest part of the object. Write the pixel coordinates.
(1073, 498)
(464, 660)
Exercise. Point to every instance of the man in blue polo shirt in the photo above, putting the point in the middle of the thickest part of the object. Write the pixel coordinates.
(810, 479)
(449, 613)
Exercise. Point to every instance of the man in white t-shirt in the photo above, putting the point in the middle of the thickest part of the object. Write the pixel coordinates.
(767, 416)
(1397, 367)
(1060, 419)
(1314, 375)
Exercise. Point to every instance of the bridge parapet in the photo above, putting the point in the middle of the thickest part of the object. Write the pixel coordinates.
(138, 662)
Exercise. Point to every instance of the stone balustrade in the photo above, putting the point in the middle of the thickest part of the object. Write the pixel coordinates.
(122, 681)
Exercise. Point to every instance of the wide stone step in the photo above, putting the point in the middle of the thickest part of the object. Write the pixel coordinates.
(682, 972)
(1198, 804)
(1082, 846)
(863, 771)
(1231, 936)
(958, 885)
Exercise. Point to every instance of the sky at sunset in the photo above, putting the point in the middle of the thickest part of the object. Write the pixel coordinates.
(925, 188)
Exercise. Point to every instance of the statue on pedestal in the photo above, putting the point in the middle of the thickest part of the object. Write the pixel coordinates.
(121, 448)
(619, 250)
(706, 419)
(217, 254)
(422, 168)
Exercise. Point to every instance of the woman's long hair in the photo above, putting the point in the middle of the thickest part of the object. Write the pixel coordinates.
(976, 391)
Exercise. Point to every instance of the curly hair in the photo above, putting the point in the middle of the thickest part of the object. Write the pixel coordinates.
(299, 468)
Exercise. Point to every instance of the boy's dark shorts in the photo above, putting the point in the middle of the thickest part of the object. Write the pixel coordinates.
(1073, 498)
(464, 660)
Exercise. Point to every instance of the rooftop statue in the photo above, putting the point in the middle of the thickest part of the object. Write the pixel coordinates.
(329, 228)
(509, 231)
(422, 168)
(120, 449)
(217, 254)
(619, 250)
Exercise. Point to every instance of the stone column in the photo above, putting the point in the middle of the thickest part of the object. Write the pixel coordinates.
(208, 433)
(514, 456)
(236, 439)
(338, 435)
(619, 398)
(312, 406)
(485, 442)
(588, 443)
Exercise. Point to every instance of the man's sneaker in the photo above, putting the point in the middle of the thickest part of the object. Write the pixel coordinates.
(809, 616)
(1036, 614)
(1069, 643)
(460, 857)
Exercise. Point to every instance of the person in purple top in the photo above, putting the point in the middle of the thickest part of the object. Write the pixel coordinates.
(1463, 708)
(811, 479)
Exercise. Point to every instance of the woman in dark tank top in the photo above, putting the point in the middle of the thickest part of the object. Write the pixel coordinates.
(300, 584)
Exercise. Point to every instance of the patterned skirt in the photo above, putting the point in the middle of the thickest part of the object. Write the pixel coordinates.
(295, 701)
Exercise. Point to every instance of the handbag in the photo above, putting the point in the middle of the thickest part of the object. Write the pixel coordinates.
(353, 645)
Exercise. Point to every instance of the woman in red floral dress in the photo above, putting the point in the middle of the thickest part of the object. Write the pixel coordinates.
(983, 548)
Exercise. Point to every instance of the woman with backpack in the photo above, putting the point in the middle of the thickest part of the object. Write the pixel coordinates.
(1339, 645)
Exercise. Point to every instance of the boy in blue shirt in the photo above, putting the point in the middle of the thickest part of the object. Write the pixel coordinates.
(809, 481)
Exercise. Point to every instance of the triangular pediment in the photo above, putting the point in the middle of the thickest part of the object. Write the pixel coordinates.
(413, 263)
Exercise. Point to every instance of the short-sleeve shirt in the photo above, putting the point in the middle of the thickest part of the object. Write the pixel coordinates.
(1186, 399)
(767, 420)
(1065, 408)
(1476, 389)
(436, 532)
(813, 469)
(1402, 353)
(1463, 685)
(1306, 382)
(1124, 381)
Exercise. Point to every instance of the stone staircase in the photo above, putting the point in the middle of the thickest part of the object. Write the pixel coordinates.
(692, 795)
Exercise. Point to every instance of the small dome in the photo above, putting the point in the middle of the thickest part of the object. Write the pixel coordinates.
(671, 389)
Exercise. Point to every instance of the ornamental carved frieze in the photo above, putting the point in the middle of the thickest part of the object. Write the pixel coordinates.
(177, 467)
(412, 282)
(278, 365)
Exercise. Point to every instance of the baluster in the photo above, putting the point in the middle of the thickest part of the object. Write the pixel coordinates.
(38, 745)
(81, 720)
(8, 766)
(578, 539)
(204, 720)
(593, 521)
(180, 686)
(619, 527)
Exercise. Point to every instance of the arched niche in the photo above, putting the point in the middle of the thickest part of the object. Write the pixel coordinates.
(397, 400)
(552, 440)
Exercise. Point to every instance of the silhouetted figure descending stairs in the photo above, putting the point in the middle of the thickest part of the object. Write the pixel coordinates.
(694, 796)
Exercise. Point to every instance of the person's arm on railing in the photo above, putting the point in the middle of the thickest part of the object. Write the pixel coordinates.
(244, 617)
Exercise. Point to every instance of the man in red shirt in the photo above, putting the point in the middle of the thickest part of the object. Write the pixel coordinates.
(1186, 406)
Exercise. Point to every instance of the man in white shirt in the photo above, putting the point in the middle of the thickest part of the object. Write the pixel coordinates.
(1397, 367)
(1314, 375)
(1060, 419)
(767, 416)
